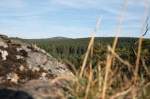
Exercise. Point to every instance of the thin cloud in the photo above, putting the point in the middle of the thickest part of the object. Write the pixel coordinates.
(67, 17)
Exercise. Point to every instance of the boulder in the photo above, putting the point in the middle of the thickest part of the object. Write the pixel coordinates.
(23, 65)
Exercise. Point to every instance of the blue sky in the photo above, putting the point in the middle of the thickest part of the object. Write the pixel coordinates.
(68, 18)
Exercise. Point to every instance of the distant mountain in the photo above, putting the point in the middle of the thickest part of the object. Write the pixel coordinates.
(59, 38)
(52, 38)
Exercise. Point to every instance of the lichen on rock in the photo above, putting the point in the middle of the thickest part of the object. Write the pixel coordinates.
(4, 54)
(21, 63)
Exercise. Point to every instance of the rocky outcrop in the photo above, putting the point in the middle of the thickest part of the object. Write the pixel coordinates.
(23, 65)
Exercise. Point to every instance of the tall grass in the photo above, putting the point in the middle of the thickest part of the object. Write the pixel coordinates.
(96, 83)
(105, 80)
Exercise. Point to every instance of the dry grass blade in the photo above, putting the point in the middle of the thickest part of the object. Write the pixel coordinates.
(120, 21)
(141, 38)
(145, 67)
(123, 93)
(138, 57)
(91, 74)
(88, 50)
(144, 25)
(148, 84)
(86, 56)
(99, 78)
(57, 79)
(89, 83)
(110, 57)
(119, 58)
(106, 76)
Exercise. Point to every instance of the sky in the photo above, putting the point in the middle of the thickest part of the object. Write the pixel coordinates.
(70, 18)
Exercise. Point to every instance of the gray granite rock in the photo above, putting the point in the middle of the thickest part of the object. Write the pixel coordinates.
(32, 68)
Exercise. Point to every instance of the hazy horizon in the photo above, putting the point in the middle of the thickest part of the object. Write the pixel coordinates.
(51, 37)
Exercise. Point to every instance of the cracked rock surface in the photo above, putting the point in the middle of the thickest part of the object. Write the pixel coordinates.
(23, 65)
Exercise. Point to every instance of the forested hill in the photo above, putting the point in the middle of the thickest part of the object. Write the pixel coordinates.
(72, 50)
